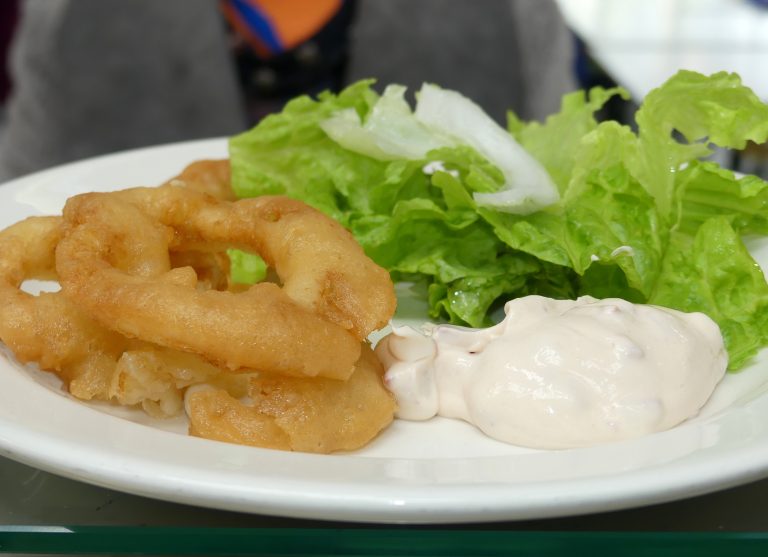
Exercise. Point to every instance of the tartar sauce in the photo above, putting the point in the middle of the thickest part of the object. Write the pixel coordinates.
(560, 373)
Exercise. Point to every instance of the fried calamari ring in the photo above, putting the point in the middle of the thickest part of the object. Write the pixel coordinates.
(165, 240)
(261, 328)
(48, 329)
(212, 177)
(300, 414)
(320, 264)
(92, 361)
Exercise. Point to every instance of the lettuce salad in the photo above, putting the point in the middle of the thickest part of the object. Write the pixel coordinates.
(441, 195)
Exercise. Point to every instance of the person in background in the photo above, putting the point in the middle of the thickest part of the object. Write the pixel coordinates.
(98, 76)
(285, 49)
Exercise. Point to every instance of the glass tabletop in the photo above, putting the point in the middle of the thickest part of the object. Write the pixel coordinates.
(42, 513)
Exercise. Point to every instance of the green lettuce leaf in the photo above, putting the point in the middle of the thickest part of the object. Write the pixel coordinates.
(568, 127)
(712, 272)
(641, 215)
(715, 109)
(246, 268)
(288, 153)
(705, 191)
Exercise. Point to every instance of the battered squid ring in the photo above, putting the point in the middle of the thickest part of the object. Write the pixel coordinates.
(264, 327)
(320, 264)
(291, 413)
(92, 361)
(47, 328)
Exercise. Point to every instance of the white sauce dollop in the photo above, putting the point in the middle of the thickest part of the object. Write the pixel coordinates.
(560, 373)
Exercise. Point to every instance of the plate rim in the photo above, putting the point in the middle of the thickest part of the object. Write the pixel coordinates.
(405, 503)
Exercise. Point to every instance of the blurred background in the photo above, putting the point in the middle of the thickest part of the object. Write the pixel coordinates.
(86, 77)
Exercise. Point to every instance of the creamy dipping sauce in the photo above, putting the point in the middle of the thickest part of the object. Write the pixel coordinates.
(560, 373)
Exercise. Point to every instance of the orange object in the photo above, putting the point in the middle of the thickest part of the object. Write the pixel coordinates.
(275, 26)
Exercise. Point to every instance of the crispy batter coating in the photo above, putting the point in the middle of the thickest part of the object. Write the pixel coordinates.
(93, 361)
(207, 176)
(300, 414)
(211, 268)
(48, 328)
(320, 264)
(332, 297)
(147, 312)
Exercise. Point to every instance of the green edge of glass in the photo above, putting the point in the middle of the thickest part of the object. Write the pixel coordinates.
(395, 542)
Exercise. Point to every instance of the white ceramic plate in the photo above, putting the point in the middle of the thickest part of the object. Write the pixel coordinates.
(438, 471)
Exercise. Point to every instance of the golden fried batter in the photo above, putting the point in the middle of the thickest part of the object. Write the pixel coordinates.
(207, 176)
(333, 296)
(93, 361)
(300, 414)
(147, 312)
